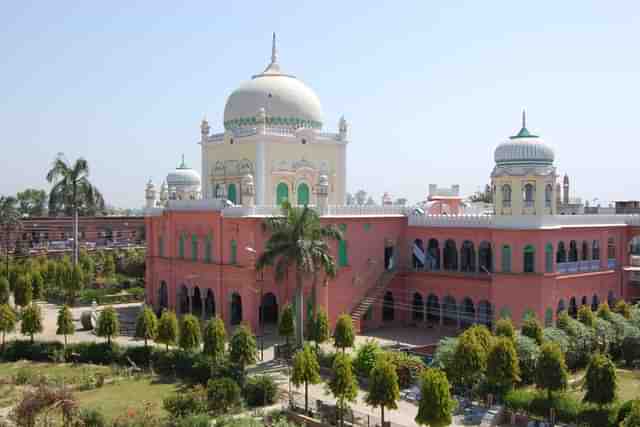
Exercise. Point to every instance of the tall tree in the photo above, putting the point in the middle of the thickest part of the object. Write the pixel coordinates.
(436, 404)
(297, 240)
(343, 334)
(342, 383)
(72, 193)
(531, 328)
(503, 370)
(8, 321)
(504, 328)
(37, 285)
(586, 316)
(146, 325)
(74, 285)
(31, 321)
(167, 328)
(243, 350)
(469, 360)
(108, 324)
(383, 387)
(4, 290)
(23, 292)
(633, 418)
(551, 373)
(601, 381)
(65, 323)
(32, 202)
(190, 336)
(214, 338)
(306, 370)
(9, 221)
(320, 328)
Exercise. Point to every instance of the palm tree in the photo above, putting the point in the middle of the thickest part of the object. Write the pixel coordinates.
(73, 192)
(298, 240)
(9, 220)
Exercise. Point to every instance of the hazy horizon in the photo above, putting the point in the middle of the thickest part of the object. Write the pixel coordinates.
(429, 91)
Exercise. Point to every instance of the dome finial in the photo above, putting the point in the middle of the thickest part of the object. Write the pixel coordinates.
(524, 118)
(183, 165)
(274, 51)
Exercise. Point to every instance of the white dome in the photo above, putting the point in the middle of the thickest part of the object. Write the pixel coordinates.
(524, 148)
(183, 176)
(288, 101)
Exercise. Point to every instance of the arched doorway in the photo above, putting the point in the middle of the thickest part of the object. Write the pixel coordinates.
(561, 307)
(303, 194)
(236, 309)
(388, 256)
(417, 314)
(450, 256)
(573, 307)
(573, 251)
(585, 301)
(210, 305)
(485, 313)
(433, 253)
(467, 257)
(232, 194)
(468, 313)
(433, 308)
(197, 303)
(595, 303)
(282, 193)
(388, 312)
(450, 311)
(163, 296)
(611, 298)
(269, 309)
(183, 300)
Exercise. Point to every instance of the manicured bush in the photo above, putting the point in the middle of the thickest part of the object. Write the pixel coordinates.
(443, 357)
(623, 411)
(260, 391)
(631, 349)
(566, 407)
(91, 417)
(597, 416)
(519, 400)
(408, 367)
(365, 359)
(183, 404)
(98, 353)
(25, 350)
(223, 395)
(557, 336)
(528, 353)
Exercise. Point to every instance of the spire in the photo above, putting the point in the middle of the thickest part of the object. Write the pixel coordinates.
(274, 51)
(524, 118)
(183, 165)
(524, 132)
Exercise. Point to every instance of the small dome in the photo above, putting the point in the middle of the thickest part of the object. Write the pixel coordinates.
(287, 101)
(183, 176)
(524, 148)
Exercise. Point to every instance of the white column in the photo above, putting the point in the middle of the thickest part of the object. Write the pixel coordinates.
(342, 170)
(260, 178)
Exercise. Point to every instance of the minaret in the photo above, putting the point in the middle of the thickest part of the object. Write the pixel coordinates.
(150, 195)
(204, 130)
(558, 195)
(565, 190)
(322, 194)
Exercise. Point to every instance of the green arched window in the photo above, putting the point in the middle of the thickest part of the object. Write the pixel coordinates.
(282, 193)
(194, 247)
(232, 194)
(548, 258)
(505, 313)
(234, 252)
(181, 246)
(303, 194)
(161, 246)
(506, 259)
(343, 259)
(208, 249)
(529, 259)
(548, 318)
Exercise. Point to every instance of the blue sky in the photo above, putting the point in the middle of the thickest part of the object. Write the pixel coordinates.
(429, 89)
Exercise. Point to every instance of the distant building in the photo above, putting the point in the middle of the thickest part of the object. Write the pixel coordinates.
(627, 207)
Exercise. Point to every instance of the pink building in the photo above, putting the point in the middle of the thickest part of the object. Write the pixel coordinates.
(397, 265)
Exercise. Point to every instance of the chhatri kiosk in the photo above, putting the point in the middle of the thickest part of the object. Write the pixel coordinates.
(396, 265)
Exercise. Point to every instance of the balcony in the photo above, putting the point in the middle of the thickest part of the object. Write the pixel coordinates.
(579, 266)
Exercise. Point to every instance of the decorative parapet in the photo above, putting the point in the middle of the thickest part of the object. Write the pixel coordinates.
(523, 222)
(152, 211)
(467, 221)
(272, 131)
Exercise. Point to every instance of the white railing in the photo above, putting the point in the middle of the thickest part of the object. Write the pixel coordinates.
(357, 210)
(197, 205)
(330, 135)
(473, 221)
(579, 266)
(216, 136)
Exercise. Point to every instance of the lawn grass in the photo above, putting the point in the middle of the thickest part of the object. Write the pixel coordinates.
(71, 374)
(129, 396)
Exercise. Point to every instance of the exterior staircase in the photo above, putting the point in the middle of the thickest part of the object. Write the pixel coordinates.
(374, 295)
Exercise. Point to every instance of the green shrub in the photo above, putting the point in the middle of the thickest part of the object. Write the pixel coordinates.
(99, 353)
(260, 391)
(408, 367)
(567, 408)
(223, 395)
(90, 417)
(528, 353)
(366, 357)
(519, 400)
(199, 420)
(183, 404)
(598, 416)
(631, 349)
(40, 351)
(623, 411)
(23, 376)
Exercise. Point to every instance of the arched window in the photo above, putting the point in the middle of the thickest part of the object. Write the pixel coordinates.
(529, 259)
(232, 195)
(236, 309)
(164, 296)
(548, 318)
(561, 307)
(585, 251)
(181, 243)
(450, 256)
(506, 259)
(343, 259)
(506, 195)
(418, 257)
(433, 254)
(433, 308)
(233, 258)
(418, 308)
(467, 257)
(595, 250)
(573, 251)
(548, 195)
(548, 258)
(528, 195)
(561, 254)
(303, 194)
(282, 193)
(194, 247)
(208, 249)
(485, 257)
(467, 312)
(388, 307)
(611, 248)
